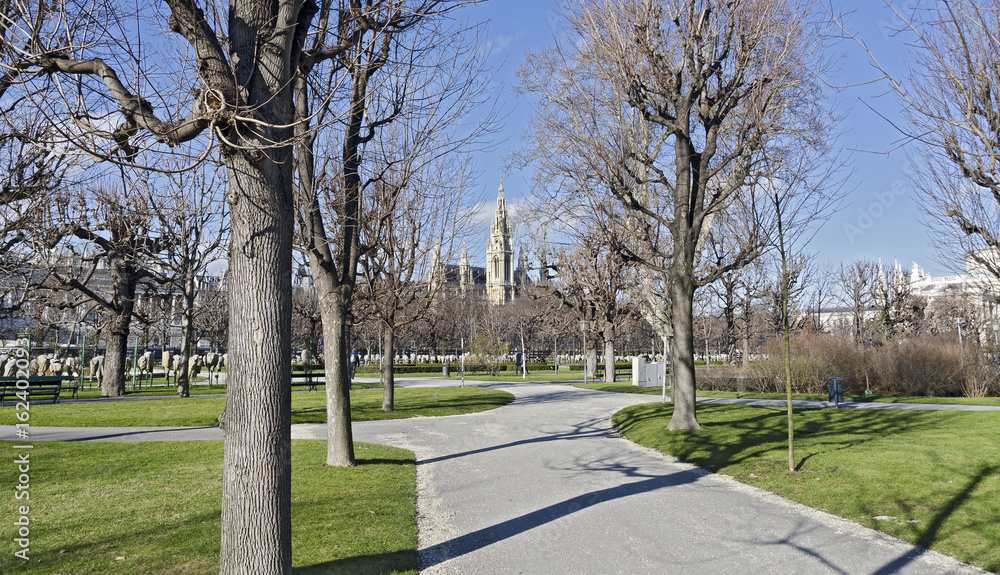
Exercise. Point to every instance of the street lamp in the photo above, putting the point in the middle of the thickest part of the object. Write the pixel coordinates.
(584, 326)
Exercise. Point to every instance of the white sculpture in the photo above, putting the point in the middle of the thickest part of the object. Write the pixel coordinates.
(97, 367)
(10, 368)
(166, 364)
(143, 362)
(194, 366)
(42, 365)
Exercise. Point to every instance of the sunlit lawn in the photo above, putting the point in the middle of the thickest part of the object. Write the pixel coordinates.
(307, 407)
(154, 507)
(628, 388)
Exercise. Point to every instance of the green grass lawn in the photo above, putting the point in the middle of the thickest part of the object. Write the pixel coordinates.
(928, 477)
(628, 388)
(307, 407)
(154, 507)
(201, 388)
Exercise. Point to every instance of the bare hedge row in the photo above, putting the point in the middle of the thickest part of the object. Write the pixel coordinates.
(925, 366)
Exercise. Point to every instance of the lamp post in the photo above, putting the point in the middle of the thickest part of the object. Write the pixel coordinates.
(584, 326)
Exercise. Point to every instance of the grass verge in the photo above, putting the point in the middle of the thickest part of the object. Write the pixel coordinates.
(929, 477)
(627, 388)
(307, 407)
(154, 507)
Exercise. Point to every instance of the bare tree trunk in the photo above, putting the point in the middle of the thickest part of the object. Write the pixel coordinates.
(123, 284)
(256, 475)
(183, 374)
(333, 310)
(683, 384)
(389, 377)
(746, 351)
(113, 382)
(590, 359)
(609, 354)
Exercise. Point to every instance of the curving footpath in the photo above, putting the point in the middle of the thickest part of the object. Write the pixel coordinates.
(544, 485)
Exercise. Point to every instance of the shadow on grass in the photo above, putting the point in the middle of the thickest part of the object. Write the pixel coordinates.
(399, 561)
(930, 535)
(134, 434)
(765, 431)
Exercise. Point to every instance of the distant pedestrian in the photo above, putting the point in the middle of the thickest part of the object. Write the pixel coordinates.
(354, 363)
(518, 358)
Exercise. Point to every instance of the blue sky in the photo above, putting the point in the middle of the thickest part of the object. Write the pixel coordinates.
(879, 217)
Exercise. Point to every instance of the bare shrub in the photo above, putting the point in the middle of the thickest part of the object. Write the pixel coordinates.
(929, 365)
(810, 366)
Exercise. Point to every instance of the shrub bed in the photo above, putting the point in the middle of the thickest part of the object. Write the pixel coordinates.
(932, 366)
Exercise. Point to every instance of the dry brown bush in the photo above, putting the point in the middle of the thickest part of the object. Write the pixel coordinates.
(929, 365)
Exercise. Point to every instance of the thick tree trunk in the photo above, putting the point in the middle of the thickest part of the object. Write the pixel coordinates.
(388, 374)
(113, 382)
(256, 475)
(683, 384)
(590, 359)
(609, 355)
(123, 284)
(333, 308)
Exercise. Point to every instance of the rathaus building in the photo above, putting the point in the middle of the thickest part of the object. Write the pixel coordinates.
(498, 281)
(500, 256)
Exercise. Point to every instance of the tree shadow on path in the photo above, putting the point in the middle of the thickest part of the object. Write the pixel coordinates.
(598, 427)
(487, 536)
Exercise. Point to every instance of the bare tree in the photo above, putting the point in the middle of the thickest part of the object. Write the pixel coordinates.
(211, 320)
(680, 110)
(192, 214)
(28, 176)
(404, 59)
(856, 283)
(99, 244)
(898, 311)
(416, 211)
(590, 279)
(948, 95)
(231, 88)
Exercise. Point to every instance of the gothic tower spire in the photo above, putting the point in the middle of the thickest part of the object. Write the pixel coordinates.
(464, 270)
(500, 255)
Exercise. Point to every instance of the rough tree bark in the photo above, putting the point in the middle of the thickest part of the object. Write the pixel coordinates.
(682, 357)
(256, 478)
(333, 306)
(388, 375)
(609, 353)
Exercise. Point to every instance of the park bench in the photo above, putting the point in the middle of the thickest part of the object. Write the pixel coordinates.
(38, 386)
(311, 384)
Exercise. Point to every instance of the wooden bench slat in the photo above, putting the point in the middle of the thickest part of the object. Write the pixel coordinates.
(38, 386)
